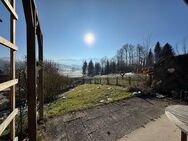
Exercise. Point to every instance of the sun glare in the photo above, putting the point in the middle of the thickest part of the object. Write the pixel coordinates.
(89, 38)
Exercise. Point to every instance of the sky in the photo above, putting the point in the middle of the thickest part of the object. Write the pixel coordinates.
(113, 23)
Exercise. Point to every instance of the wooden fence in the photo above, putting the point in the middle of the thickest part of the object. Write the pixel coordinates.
(125, 82)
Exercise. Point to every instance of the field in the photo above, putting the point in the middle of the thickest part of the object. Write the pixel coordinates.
(86, 96)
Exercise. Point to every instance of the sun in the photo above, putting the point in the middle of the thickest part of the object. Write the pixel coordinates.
(89, 38)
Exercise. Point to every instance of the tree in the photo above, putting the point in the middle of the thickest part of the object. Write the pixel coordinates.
(184, 45)
(121, 62)
(103, 63)
(140, 55)
(84, 68)
(167, 50)
(90, 68)
(125, 48)
(97, 68)
(157, 51)
(107, 67)
(131, 53)
(113, 67)
(150, 59)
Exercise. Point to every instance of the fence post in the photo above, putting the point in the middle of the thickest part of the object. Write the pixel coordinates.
(116, 80)
(83, 80)
(129, 81)
(107, 80)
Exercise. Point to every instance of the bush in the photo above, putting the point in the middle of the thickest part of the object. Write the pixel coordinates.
(53, 81)
(133, 89)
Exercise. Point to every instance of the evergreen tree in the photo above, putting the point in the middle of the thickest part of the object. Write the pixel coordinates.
(149, 59)
(107, 68)
(167, 50)
(97, 68)
(90, 68)
(157, 51)
(84, 68)
(113, 67)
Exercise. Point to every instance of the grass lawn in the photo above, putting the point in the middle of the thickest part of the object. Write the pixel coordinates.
(85, 96)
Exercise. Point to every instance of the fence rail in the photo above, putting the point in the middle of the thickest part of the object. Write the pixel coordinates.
(125, 82)
(7, 121)
(8, 84)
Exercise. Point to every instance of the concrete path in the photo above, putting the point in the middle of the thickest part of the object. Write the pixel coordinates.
(160, 130)
(107, 122)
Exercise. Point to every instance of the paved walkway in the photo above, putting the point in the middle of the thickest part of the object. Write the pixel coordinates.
(107, 122)
(160, 130)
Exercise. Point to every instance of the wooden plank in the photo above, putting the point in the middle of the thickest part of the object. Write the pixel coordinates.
(8, 44)
(179, 115)
(183, 136)
(10, 8)
(12, 71)
(8, 84)
(16, 139)
(7, 121)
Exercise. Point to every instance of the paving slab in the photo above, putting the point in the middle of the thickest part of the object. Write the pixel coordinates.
(107, 122)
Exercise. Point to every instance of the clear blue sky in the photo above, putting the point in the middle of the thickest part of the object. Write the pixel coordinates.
(113, 22)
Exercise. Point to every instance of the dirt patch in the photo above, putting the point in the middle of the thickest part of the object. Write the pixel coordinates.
(107, 122)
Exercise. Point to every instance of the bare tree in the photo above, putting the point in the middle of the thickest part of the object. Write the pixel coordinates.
(176, 48)
(146, 47)
(125, 49)
(131, 53)
(121, 62)
(103, 63)
(184, 45)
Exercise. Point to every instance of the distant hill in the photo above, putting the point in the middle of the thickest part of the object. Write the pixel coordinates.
(3, 62)
(71, 67)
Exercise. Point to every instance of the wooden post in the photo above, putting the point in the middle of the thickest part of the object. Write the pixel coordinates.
(107, 79)
(31, 83)
(183, 136)
(40, 86)
(12, 71)
(116, 80)
(30, 16)
(129, 81)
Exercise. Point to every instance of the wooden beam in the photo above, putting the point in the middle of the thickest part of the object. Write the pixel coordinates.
(37, 16)
(27, 5)
(30, 16)
(8, 44)
(16, 139)
(40, 83)
(10, 8)
(12, 71)
(183, 136)
(8, 84)
(7, 121)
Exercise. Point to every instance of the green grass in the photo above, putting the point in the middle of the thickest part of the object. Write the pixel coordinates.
(86, 96)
